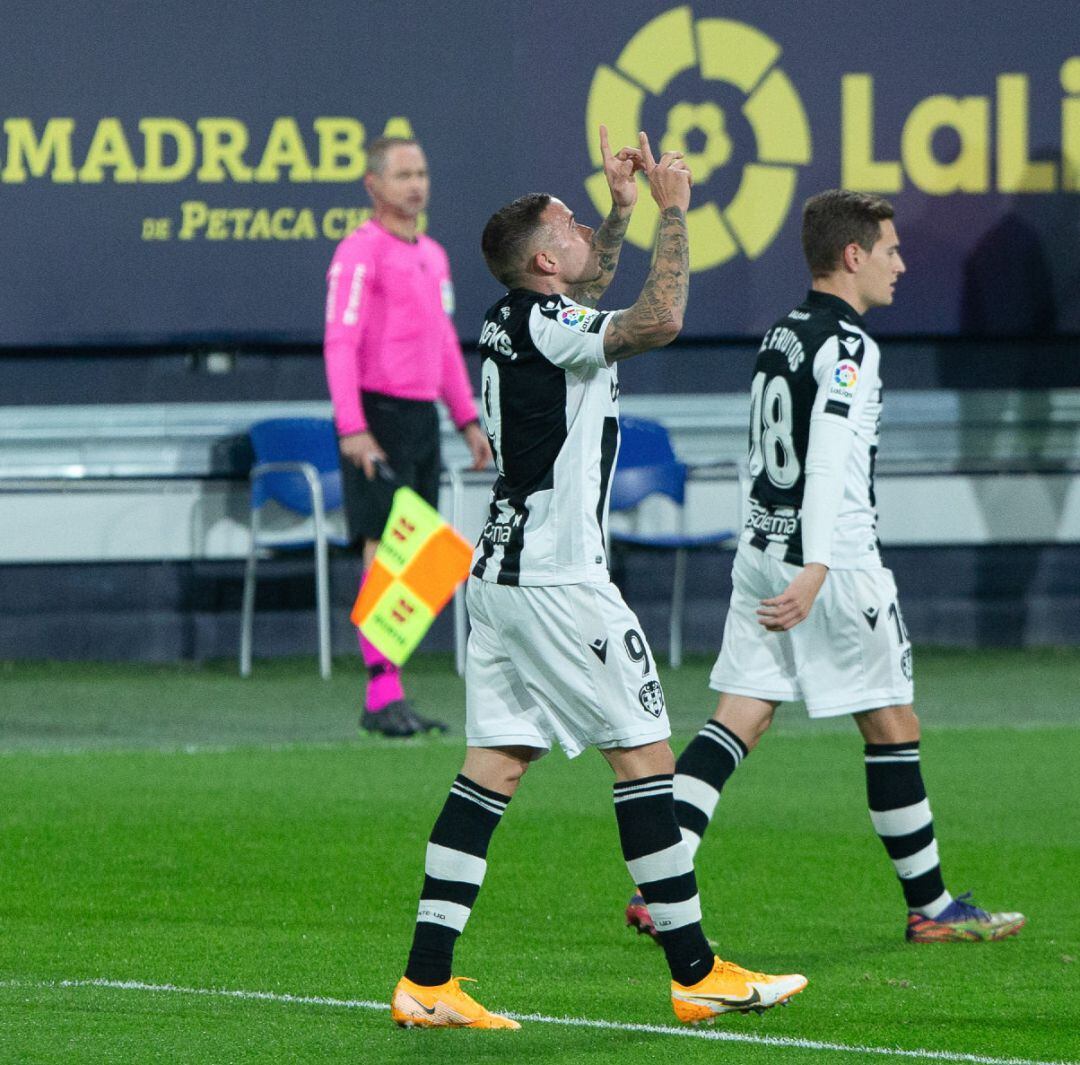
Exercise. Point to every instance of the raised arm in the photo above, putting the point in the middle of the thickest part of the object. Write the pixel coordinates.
(656, 317)
(607, 241)
(619, 169)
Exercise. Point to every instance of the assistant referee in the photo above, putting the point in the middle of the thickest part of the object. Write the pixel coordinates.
(391, 351)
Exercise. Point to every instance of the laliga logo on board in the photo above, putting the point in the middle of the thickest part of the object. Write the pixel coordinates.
(721, 51)
(742, 95)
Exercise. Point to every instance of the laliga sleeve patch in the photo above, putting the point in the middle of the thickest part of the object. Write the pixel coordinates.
(842, 385)
(572, 316)
(577, 318)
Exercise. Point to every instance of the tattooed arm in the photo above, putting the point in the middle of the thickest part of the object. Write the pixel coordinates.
(607, 243)
(657, 315)
(619, 169)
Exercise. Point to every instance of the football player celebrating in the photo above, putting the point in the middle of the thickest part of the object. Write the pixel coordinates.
(555, 655)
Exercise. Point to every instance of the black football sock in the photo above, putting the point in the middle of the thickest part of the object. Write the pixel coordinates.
(661, 867)
(700, 775)
(453, 872)
(901, 815)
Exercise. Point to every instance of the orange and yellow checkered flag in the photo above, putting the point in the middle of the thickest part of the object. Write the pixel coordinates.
(420, 561)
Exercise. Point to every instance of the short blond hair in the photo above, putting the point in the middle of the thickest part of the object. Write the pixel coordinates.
(380, 149)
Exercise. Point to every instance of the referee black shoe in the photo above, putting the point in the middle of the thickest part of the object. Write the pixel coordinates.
(392, 721)
(418, 721)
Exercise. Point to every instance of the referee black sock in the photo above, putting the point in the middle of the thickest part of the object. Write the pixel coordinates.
(901, 815)
(663, 871)
(453, 872)
(700, 775)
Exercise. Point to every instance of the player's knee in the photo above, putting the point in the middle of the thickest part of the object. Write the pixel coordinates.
(903, 724)
(648, 760)
(498, 768)
(913, 723)
(889, 724)
(748, 718)
(516, 765)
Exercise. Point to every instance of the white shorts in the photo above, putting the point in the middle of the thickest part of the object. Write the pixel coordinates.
(852, 653)
(566, 663)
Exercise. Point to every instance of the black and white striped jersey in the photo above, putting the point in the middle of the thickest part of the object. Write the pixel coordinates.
(815, 411)
(549, 404)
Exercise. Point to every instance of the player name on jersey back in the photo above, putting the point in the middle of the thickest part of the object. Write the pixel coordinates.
(816, 365)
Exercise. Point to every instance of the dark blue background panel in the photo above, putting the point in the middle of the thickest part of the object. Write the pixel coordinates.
(180, 173)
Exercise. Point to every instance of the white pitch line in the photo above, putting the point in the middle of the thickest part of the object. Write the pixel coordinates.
(718, 1035)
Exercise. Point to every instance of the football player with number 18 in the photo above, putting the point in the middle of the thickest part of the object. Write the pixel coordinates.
(814, 613)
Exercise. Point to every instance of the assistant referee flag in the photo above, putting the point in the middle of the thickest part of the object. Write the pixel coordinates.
(420, 561)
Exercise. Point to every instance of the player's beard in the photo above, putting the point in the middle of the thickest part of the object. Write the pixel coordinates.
(596, 271)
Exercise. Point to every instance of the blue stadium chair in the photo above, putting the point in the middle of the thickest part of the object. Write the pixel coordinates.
(296, 467)
(647, 466)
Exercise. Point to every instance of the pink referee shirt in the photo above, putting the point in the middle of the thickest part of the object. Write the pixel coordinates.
(388, 327)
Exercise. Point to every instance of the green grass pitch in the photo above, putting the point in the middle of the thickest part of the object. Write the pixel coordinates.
(182, 828)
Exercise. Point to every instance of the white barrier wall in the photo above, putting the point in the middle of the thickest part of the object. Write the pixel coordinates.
(80, 484)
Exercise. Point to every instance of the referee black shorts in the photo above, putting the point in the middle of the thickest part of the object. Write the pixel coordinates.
(408, 431)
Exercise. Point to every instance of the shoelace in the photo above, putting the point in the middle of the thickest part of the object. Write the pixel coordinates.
(737, 970)
(969, 909)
